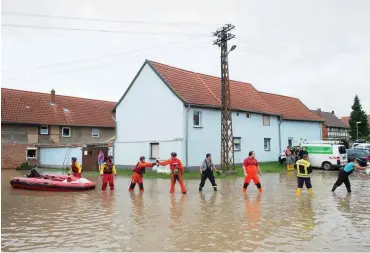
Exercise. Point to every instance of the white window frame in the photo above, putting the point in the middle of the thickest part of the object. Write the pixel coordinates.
(47, 130)
(92, 132)
(263, 120)
(240, 144)
(151, 145)
(200, 118)
(70, 132)
(269, 144)
(31, 158)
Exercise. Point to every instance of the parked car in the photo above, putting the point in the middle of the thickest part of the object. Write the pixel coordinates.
(362, 154)
(363, 146)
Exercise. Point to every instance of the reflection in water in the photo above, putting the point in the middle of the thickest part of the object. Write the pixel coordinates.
(227, 220)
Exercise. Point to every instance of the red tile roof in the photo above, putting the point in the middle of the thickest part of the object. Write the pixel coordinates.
(34, 108)
(204, 90)
(290, 108)
(346, 120)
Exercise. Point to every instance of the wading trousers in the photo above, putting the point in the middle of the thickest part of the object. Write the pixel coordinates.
(136, 179)
(343, 177)
(107, 178)
(207, 174)
(177, 177)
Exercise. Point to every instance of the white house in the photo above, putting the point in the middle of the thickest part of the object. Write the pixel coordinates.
(168, 109)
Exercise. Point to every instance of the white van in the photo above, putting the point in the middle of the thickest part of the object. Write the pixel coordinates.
(326, 154)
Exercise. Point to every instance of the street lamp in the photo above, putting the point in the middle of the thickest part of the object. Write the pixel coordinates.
(357, 123)
(231, 49)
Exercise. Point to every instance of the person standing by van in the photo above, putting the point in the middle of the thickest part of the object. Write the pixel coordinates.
(206, 171)
(343, 175)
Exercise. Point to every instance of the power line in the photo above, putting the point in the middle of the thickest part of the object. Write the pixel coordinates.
(109, 20)
(103, 31)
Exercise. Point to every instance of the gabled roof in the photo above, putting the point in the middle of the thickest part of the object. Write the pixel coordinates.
(26, 107)
(203, 90)
(330, 119)
(291, 108)
(346, 120)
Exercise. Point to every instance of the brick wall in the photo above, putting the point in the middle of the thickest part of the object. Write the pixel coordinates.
(13, 155)
(324, 132)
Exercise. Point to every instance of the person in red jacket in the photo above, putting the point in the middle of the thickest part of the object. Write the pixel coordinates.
(177, 170)
(137, 176)
(107, 170)
(251, 171)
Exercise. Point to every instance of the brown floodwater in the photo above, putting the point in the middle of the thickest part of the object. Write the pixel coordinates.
(227, 220)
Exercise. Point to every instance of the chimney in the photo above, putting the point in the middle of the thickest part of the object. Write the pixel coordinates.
(52, 99)
(318, 111)
(332, 112)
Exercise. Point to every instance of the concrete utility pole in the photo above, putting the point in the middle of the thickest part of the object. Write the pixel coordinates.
(227, 141)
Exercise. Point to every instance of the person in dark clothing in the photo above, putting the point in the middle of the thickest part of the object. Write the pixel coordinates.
(343, 175)
(302, 153)
(206, 171)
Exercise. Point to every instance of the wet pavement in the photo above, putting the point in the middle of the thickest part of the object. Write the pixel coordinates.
(227, 220)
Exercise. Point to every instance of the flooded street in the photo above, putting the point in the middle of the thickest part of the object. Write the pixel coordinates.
(275, 220)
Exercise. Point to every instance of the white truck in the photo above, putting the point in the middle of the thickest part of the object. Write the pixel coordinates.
(326, 154)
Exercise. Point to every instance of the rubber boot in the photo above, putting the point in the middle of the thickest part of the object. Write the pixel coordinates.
(184, 193)
(132, 187)
(298, 191)
(259, 187)
(141, 187)
(245, 186)
(200, 189)
(310, 192)
(334, 187)
(215, 188)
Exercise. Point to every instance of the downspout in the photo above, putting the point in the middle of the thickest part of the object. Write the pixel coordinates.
(279, 135)
(186, 138)
(115, 136)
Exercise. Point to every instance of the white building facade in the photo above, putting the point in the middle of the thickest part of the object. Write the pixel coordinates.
(166, 110)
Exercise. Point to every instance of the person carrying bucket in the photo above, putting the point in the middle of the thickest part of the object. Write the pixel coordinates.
(75, 168)
(304, 170)
(177, 170)
(137, 176)
(107, 170)
(251, 170)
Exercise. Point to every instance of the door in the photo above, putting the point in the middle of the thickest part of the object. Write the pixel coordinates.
(90, 157)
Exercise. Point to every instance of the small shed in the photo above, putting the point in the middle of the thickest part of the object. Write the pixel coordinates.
(90, 152)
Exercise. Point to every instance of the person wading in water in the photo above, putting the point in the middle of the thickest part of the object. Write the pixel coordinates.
(251, 171)
(107, 170)
(177, 170)
(137, 176)
(206, 171)
(343, 175)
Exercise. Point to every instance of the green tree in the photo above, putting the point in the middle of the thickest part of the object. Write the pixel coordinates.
(358, 115)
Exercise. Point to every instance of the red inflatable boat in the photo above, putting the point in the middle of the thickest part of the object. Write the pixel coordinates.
(37, 181)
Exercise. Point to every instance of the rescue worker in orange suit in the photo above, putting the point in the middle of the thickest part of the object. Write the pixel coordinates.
(107, 169)
(177, 170)
(75, 168)
(137, 176)
(251, 171)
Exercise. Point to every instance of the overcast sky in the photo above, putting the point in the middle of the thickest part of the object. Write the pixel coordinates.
(318, 51)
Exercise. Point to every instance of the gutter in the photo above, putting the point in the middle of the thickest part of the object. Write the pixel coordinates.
(186, 138)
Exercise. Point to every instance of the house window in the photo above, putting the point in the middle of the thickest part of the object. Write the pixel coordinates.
(31, 153)
(66, 132)
(197, 119)
(266, 120)
(267, 144)
(248, 115)
(154, 150)
(237, 144)
(44, 130)
(95, 132)
(290, 142)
